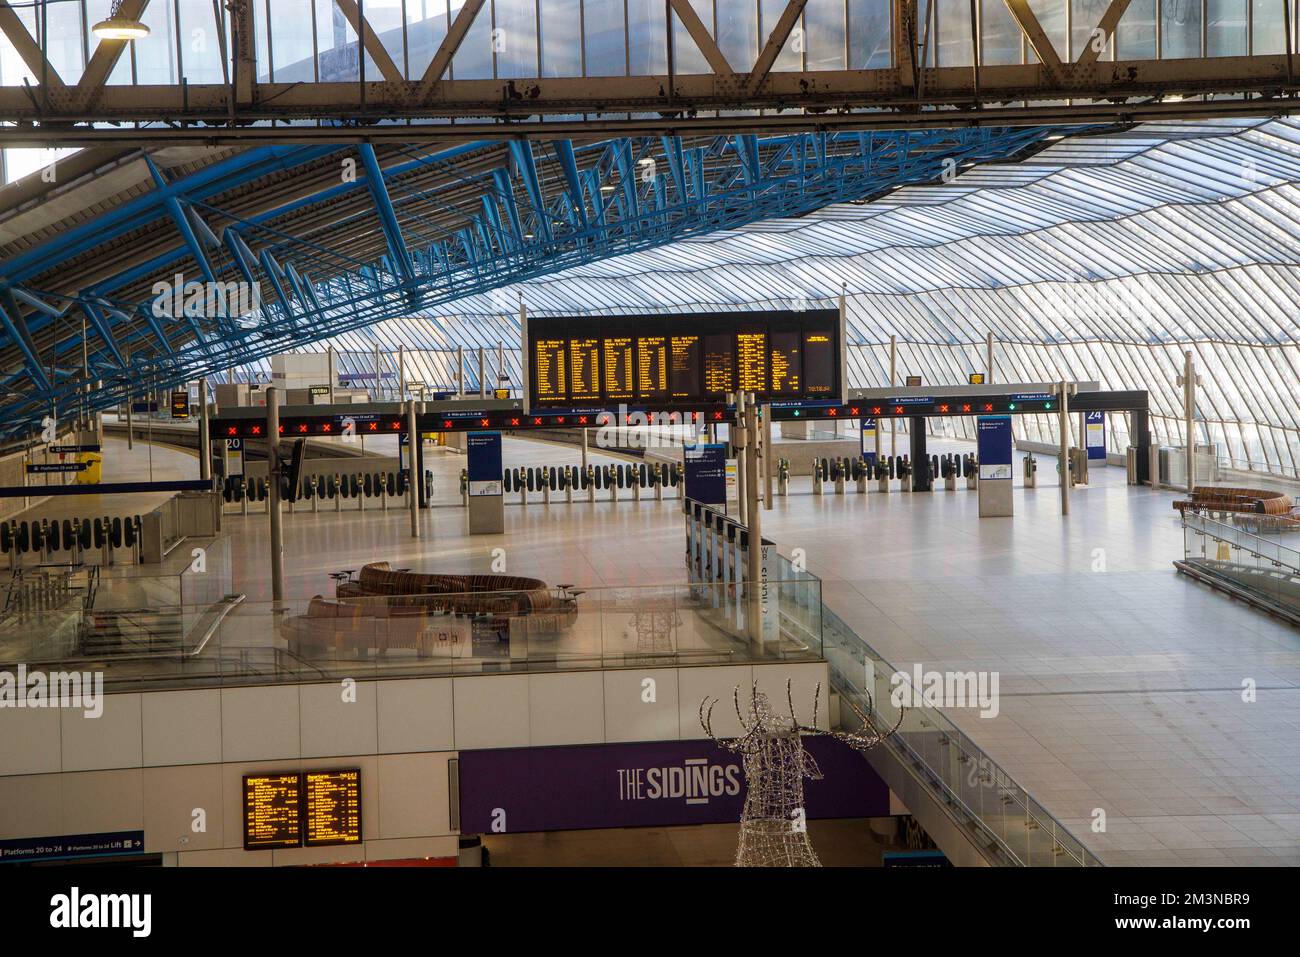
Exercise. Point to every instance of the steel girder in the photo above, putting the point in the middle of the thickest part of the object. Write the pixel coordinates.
(596, 200)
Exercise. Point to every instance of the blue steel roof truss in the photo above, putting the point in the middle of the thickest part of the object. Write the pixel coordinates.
(599, 200)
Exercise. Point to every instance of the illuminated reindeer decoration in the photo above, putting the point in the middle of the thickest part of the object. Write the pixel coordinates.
(773, 832)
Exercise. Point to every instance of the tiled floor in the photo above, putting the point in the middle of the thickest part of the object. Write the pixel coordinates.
(1121, 682)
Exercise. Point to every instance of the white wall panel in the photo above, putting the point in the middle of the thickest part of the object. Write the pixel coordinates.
(181, 727)
(110, 741)
(630, 717)
(332, 725)
(258, 723)
(566, 708)
(415, 715)
(491, 712)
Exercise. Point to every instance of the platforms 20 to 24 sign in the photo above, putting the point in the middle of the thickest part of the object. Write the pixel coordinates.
(302, 808)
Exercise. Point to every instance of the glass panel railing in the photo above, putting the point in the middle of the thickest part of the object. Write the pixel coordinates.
(1253, 565)
(168, 644)
(1007, 820)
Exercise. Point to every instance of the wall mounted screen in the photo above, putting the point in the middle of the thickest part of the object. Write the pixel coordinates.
(683, 361)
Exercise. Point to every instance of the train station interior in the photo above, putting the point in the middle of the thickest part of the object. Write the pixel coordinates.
(605, 433)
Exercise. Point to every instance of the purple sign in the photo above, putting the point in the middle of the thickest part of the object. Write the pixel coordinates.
(649, 784)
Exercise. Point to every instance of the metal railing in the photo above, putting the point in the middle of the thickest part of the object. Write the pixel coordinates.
(1250, 566)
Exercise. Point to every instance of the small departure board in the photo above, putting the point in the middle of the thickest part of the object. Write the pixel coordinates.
(272, 811)
(332, 802)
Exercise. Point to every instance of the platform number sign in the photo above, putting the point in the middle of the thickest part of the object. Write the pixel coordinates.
(234, 456)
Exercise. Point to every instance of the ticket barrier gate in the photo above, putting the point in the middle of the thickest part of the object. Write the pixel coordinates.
(384, 486)
(635, 477)
(1031, 470)
(819, 477)
(77, 536)
(782, 477)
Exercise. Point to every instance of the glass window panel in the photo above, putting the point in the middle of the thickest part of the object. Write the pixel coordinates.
(473, 61)
(824, 21)
(605, 42)
(1180, 28)
(515, 40)
(261, 20)
(292, 54)
(426, 28)
(1085, 16)
(738, 32)
(561, 28)
(1266, 34)
(62, 39)
(647, 38)
(869, 35)
(952, 21)
(1001, 34)
(14, 67)
(791, 56)
(1136, 33)
(336, 43)
(1051, 17)
(201, 42)
(687, 57)
(155, 57)
(385, 19)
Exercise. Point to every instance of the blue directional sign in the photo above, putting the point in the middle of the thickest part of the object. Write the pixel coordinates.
(65, 846)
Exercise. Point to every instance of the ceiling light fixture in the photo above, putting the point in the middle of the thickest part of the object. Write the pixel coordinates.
(118, 27)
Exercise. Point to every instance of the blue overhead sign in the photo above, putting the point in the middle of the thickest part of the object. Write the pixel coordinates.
(706, 474)
(65, 846)
(993, 436)
(483, 454)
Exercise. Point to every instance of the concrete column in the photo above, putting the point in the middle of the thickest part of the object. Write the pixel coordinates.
(740, 438)
(1063, 393)
(482, 374)
(754, 572)
(988, 359)
(273, 496)
(893, 377)
(1189, 416)
(333, 374)
(460, 371)
(379, 371)
(769, 459)
(412, 458)
(205, 438)
(130, 432)
(584, 450)
(501, 363)
(401, 373)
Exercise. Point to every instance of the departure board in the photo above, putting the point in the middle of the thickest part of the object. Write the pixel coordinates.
(272, 811)
(652, 368)
(751, 361)
(683, 361)
(785, 363)
(551, 369)
(332, 807)
(819, 366)
(620, 368)
(684, 378)
(584, 369)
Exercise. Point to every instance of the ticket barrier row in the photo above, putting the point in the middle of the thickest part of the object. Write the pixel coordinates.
(549, 481)
(1078, 468)
(384, 486)
(77, 536)
(717, 554)
(837, 472)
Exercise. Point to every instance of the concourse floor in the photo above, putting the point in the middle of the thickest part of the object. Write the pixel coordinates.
(1121, 682)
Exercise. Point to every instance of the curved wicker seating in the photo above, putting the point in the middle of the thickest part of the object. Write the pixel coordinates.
(1206, 498)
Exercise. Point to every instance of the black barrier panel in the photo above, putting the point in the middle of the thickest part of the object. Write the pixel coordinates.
(69, 540)
(354, 486)
(115, 532)
(529, 478)
(83, 533)
(391, 484)
(132, 526)
(38, 536)
(367, 485)
(553, 478)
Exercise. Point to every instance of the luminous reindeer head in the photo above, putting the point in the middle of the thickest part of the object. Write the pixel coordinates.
(763, 722)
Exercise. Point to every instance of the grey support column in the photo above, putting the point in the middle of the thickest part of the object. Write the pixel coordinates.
(893, 377)
(273, 492)
(1063, 393)
(754, 572)
(769, 460)
(1189, 381)
(460, 371)
(482, 374)
(205, 438)
(988, 359)
(412, 459)
(401, 373)
(740, 439)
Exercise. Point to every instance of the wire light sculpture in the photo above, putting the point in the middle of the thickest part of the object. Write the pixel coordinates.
(773, 824)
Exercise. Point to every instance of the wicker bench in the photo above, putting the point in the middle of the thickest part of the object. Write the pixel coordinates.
(1227, 499)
